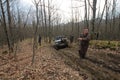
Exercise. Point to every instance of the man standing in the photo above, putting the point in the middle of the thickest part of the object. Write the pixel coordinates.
(39, 40)
(71, 39)
(84, 43)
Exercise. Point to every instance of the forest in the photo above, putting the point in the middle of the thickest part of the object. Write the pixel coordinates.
(29, 40)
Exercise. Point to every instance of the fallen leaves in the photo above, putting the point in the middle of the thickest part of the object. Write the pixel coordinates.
(47, 66)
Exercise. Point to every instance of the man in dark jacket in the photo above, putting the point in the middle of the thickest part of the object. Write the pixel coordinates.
(39, 40)
(84, 43)
(71, 39)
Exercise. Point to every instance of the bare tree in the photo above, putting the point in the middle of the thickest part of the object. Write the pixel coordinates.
(106, 20)
(86, 15)
(10, 25)
(94, 15)
(45, 19)
(119, 26)
(49, 21)
(42, 19)
(5, 25)
(72, 18)
(36, 29)
(113, 15)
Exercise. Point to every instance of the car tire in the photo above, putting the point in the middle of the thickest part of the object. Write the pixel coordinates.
(56, 48)
(66, 45)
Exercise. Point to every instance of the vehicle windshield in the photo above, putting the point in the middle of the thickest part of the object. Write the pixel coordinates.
(58, 38)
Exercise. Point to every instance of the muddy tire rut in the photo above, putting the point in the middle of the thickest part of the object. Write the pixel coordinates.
(96, 66)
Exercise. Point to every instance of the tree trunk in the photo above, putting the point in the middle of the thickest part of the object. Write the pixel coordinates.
(35, 34)
(5, 26)
(94, 15)
(10, 26)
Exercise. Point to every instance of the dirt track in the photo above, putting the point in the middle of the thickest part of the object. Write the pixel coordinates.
(98, 65)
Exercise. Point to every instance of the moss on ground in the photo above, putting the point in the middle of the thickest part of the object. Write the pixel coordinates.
(99, 44)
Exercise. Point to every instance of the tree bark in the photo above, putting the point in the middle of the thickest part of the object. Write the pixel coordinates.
(10, 25)
(5, 26)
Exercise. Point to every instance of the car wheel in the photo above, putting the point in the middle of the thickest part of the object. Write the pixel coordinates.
(67, 45)
(57, 48)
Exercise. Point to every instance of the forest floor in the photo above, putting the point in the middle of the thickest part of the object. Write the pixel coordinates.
(63, 64)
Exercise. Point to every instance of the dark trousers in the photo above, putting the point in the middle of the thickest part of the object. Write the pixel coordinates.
(82, 51)
(39, 42)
